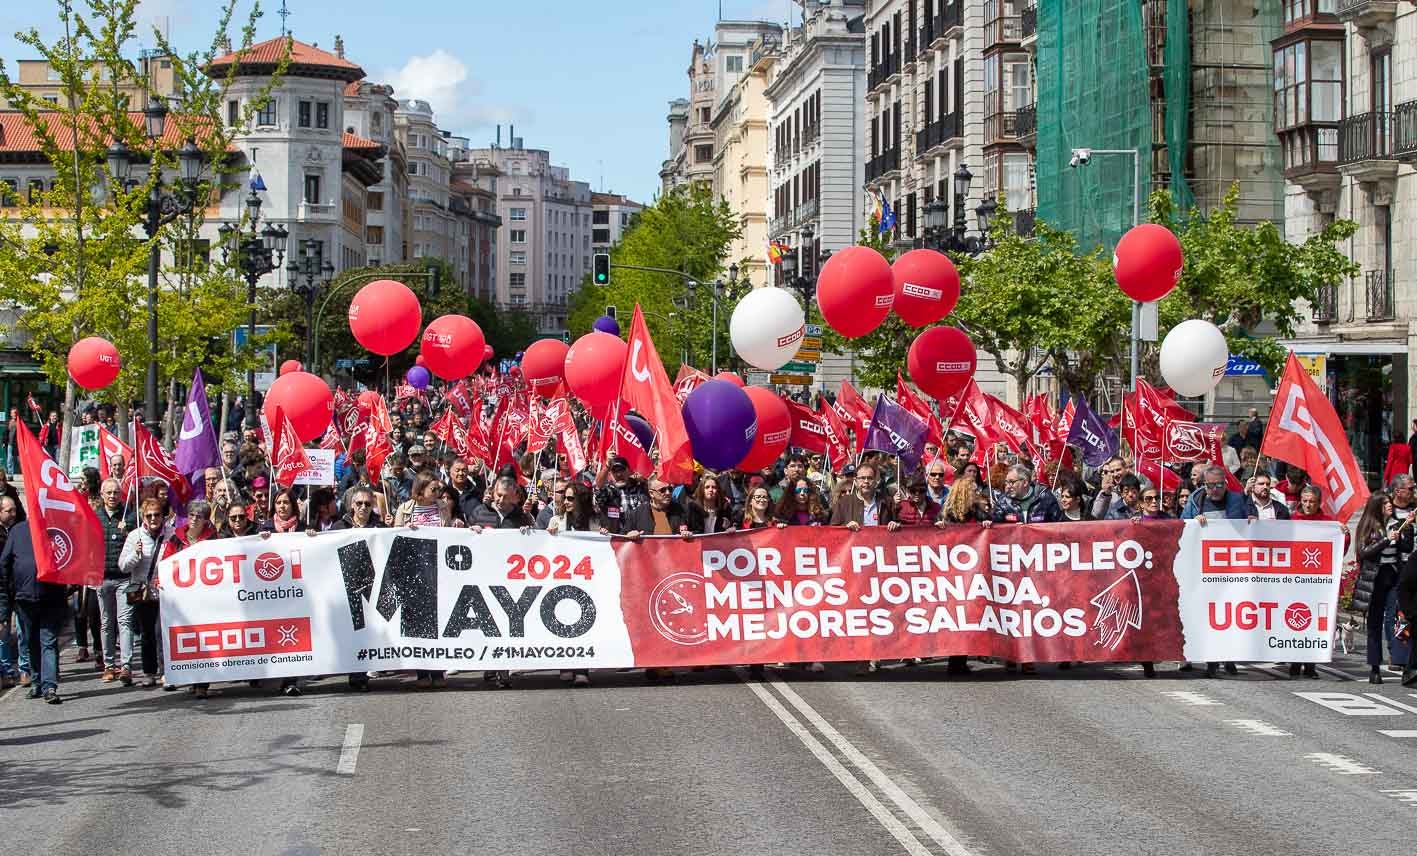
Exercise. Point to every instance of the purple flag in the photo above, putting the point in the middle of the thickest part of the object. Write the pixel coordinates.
(1091, 434)
(196, 442)
(897, 431)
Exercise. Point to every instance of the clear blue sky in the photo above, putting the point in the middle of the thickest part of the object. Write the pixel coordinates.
(589, 81)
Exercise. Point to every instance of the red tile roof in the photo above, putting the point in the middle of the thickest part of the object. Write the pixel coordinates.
(17, 137)
(259, 58)
(358, 143)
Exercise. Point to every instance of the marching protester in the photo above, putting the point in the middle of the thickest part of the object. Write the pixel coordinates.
(866, 505)
(758, 514)
(114, 611)
(1023, 501)
(709, 510)
(286, 516)
(623, 494)
(141, 551)
(14, 658)
(917, 508)
(1263, 505)
(802, 505)
(41, 608)
(1376, 541)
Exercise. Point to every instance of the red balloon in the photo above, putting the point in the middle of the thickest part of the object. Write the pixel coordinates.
(593, 368)
(774, 429)
(420, 360)
(451, 346)
(855, 291)
(385, 316)
(941, 361)
(731, 378)
(94, 363)
(926, 287)
(307, 402)
(544, 365)
(1147, 262)
(488, 353)
(368, 399)
(291, 366)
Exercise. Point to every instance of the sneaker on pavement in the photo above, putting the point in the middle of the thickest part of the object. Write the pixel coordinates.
(109, 676)
(52, 697)
(24, 679)
(126, 677)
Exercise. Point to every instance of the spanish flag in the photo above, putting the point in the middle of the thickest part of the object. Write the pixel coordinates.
(776, 250)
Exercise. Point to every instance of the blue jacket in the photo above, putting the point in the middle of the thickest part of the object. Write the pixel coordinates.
(1236, 506)
(19, 578)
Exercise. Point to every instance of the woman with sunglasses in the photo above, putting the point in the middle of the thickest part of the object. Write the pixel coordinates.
(1377, 546)
(1149, 504)
(709, 510)
(917, 508)
(801, 506)
(573, 514)
(238, 520)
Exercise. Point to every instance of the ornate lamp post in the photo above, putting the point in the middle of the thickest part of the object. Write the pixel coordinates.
(954, 239)
(255, 254)
(310, 275)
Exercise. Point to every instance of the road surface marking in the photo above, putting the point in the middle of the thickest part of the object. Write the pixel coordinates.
(1407, 795)
(349, 753)
(1392, 701)
(1194, 699)
(1258, 728)
(1341, 765)
(912, 809)
(1397, 733)
(1338, 673)
(1349, 704)
(863, 795)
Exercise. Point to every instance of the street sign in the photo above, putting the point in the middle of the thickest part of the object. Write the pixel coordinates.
(758, 378)
(792, 379)
(1242, 366)
(264, 381)
(238, 339)
(800, 367)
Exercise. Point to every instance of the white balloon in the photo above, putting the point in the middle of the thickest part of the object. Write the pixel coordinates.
(767, 328)
(1193, 357)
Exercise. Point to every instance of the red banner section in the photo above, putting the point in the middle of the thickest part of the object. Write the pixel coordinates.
(1040, 593)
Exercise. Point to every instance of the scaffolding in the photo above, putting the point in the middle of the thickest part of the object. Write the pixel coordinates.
(1187, 84)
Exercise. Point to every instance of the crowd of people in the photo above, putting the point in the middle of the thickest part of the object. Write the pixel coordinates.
(115, 625)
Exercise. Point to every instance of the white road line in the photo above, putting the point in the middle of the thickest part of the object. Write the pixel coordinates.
(1259, 728)
(863, 795)
(1397, 733)
(912, 809)
(1407, 795)
(349, 753)
(1341, 765)
(1392, 701)
(1194, 699)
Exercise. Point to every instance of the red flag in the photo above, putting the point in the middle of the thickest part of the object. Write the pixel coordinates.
(1161, 477)
(618, 438)
(332, 440)
(153, 461)
(1192, 442)
(687, 381)
(645, 387)
(855, 412)
(837, 449)
(1305, 431)
(459, 398)
(377, 426)
(546, 423)
(972, 417)
(910, 401)
(1008, 424)
(1042, 424)
(108, 446)
(34, 406)
(808, 432)
(288, 457)
(571, 441)
(67, 537)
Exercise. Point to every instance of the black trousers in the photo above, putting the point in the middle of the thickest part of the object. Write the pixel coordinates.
(145, 625)
(1377, 607)
(86, 620)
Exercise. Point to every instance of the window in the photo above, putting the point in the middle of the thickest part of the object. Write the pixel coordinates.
(233, 112)
(413, 167)
(733, 64)
(705, 115)
(376, 122)
(518, 236)
(1308, 83)
(1020, 92)
(51, 99)
(302, 116)
(193, 255)
(9, 191)
(517, 258)
(516, 214)
(516, 191)
(374, 234)
(35, 192)
(703, 154)
(322, 115)
(601, 236)
(600, 218)
(1018, 192)
(375, 200)
(266, 116)
(516, 280)
(312, 189)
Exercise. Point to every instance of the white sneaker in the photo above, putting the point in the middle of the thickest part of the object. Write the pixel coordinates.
(567, 676)
(450, 672)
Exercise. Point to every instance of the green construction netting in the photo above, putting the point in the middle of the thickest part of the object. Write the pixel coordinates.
(1112, 74)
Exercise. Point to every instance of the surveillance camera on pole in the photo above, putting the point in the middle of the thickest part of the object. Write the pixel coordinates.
(1081, 157)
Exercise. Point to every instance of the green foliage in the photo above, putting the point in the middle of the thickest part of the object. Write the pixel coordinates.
(685, 230)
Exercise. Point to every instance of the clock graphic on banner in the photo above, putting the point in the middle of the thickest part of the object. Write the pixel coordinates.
(676, 609)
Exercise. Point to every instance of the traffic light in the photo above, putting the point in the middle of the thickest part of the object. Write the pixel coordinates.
(434, 276)
(602, 269)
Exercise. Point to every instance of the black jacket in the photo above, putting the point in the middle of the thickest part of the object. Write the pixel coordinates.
(487, 517)
(1042, 507)
(469, 500)
(1407, 587)
(1281, 512)
(1370, 569)
(641, 519)
(696, 517)
(19, 575)
(116, 527)
(347, 522)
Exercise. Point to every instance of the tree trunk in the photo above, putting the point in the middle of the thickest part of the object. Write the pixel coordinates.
(170, 423)
(225, 412)
(125, 428)
(68, 416)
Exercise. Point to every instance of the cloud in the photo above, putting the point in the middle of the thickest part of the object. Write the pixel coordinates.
(448, 85)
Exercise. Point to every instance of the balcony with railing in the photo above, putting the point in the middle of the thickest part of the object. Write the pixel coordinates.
(811, 134)
(1404, 132)
(882, 164)
(806, 212)
(1026, 124)
(1378, 288)
(943, 25)
(1326, 304)
(937, 133)
(779, 225)
(1003, 29)
(887, 69)
(1365, 146)
(1001, 127)
(1367, 14)
(1028, 23)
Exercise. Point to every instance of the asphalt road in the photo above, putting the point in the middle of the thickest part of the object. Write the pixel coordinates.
(1096, 760)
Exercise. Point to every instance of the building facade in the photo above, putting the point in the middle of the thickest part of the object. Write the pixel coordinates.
(740, 174)
(611, 216)
(432, 232)
(671, 171)
(1345, 108)
(369, 110)
(545, 247)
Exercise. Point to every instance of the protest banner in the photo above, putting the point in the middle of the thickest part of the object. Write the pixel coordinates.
(438, 598)
(322, 468)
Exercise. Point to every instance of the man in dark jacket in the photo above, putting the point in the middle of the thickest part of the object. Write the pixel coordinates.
(621, 496)
(866, 505)
(660, 516)
(42, 609)
(113, 608)
(1263, 505)
(1025, 502)
(469, 486)
(504, 511)
(361, 513)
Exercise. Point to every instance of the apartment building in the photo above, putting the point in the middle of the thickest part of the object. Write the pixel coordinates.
(1345, 116)
(369, 110)
(671, 171)
(474, 195)
(155, 75)
(545, 249)
(432, 231)
(817, 92)
(740, 174)
(610, 217)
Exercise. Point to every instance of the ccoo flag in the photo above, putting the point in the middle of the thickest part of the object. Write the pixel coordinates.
(1305, 431)
(63, 528)
(897, 431)
(196, 442)
(1090, 433)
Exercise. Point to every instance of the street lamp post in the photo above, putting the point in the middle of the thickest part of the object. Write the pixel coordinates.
(717, 290)
(161, 207)
(955, 238)
(805, 281)
(255, 255)
(310, 275)
(1082, 157)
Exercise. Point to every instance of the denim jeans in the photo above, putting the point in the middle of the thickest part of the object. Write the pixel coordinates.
(43, 623)
(117, 623)
(9, 668)
(1397, 648)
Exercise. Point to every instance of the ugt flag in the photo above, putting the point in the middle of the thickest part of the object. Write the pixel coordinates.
(1090, 433)
(1305, 431)
(65, 532)
(897, 431)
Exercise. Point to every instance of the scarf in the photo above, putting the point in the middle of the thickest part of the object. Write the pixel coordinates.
(287, 525)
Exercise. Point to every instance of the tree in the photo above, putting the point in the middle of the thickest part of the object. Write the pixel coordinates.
(74, 260)
(685, 230)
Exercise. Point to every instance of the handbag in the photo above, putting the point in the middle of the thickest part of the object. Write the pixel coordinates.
(144, 592)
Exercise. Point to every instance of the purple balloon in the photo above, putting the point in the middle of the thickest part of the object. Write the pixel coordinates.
(721, 423)
(418, 377)
(641, 428)
(606, 324)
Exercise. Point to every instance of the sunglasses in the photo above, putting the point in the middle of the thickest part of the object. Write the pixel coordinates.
(1149, 498)
(153, 516)
(659, 490)
(802, 490)
(362, 503)
(237, 518)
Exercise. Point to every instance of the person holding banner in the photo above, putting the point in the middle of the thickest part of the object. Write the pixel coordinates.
(1023, 501)
(286, 517)
(709, 510)
(758, 514)
(41, 607)
(801, 505)
(865, 506)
